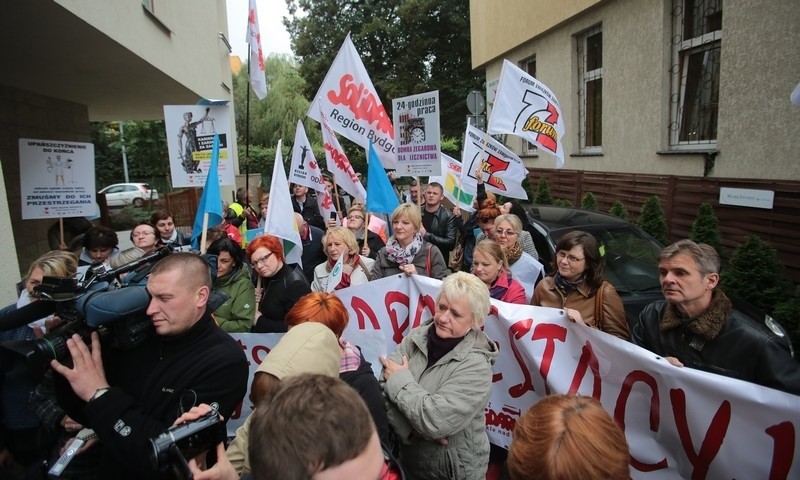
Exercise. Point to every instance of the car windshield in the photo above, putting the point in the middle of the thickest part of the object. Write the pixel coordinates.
(630, 258)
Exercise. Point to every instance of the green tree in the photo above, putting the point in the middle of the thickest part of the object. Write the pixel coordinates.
(543, 196)
(146, 148)
(562, 202)
(407, 47)
(705, 228)
(755, 274)
(788, 314)
(651, 219)
(618, 210)
(589, 202)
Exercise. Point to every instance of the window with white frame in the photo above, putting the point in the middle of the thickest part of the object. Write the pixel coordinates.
(697, 38)
(529, 66)
(590, 92)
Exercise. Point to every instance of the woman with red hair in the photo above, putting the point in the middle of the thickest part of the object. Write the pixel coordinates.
(354, 369)
(281, 284)
(566, 437)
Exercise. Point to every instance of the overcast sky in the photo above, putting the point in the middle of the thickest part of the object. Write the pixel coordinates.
(274, 37)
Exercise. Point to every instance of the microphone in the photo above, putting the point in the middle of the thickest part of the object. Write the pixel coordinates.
(27, 314)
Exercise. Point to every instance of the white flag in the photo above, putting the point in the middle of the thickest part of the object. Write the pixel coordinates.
(503, 171)
(304, 169)
(527, 108)
(255, 61)
(338, 164)
(451, 183)
(336, 274)
(348, 97)
(280, 214)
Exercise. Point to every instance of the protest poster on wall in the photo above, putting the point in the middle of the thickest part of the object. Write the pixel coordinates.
(56, 179)
(190, 136)
(416, 133)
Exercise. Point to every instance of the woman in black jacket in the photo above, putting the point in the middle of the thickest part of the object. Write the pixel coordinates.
(281, 284)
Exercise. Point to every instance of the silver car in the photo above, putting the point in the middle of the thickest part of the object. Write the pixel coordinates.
(122, 194)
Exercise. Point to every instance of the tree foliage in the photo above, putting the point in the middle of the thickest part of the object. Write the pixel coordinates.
(146, 149)
(407, 46)
(618, 210)
(543, 195)
(755, 273)
(705, 228)
(651, 219)
(589, 202)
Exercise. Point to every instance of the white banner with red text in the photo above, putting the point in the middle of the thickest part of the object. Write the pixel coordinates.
(678, 422)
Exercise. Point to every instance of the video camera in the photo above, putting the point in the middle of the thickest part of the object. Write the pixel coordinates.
(173, 448)
(96, 303)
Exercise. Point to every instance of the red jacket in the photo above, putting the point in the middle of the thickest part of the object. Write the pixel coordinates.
(515, 292)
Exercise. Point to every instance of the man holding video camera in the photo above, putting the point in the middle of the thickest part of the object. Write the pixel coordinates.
(129, 397)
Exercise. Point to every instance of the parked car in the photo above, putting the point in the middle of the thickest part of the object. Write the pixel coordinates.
(122, 194)
(630, 255)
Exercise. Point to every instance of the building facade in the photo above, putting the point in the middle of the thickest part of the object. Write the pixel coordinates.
(69, 62)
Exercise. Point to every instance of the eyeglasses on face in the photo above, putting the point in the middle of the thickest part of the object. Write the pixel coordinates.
(262, 259)
(142, 234)
(508, 233)
(571, 258)
(355, 217)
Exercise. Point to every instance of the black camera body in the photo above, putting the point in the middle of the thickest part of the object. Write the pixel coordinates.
(173, 448)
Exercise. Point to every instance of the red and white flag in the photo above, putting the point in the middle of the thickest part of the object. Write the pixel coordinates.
(352, 104)
(255, 62)
(526, 108)
(337, 161)
(503, 171)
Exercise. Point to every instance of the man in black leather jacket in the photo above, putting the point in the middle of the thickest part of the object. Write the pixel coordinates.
(439, 226)
(699, 327)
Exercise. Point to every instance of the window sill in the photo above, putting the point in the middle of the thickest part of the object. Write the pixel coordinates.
(163, 26)
(697, 151)
(586, 154)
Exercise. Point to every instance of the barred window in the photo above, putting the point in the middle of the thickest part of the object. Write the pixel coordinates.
(697, 37)
(590, 93)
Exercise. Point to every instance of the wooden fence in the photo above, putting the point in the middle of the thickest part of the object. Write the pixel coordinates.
(681, 197)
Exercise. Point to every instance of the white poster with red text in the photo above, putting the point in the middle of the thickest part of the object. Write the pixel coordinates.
(353, 107)
(679, 422)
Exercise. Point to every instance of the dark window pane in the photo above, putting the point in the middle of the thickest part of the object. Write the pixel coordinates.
(594, 51)
(594, 113)
(701, 17)
(701, 97)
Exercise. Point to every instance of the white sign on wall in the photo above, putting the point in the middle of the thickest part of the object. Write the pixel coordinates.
(745, 197)
(56, 178)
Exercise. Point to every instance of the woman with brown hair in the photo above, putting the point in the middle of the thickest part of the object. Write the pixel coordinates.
(489, 264)
(568, 437)
(356, 218)
(579, 288)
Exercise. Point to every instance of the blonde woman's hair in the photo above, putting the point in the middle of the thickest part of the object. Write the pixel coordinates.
(491, 248)
(345, 234)
(56, 263)
(465, 285)
(514, 220)
(409, 212)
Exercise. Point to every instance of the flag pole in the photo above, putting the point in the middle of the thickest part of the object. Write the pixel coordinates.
(61, 244)
(366, 230)
(336, 196)
(419, 192)
(247, 137)
(204, 234)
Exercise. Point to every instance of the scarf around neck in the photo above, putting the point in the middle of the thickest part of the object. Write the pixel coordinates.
(513, 253)
(565, 285)
(403, 256)
(352, 262)
(498, 291)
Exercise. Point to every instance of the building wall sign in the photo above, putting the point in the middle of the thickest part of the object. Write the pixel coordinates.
(745, 197)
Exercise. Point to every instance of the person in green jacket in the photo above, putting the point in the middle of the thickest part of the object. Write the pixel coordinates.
(233, 278)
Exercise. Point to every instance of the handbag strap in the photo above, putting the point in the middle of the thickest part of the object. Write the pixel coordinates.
(598, 306)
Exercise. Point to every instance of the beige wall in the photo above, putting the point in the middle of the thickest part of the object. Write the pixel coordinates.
(758, 135)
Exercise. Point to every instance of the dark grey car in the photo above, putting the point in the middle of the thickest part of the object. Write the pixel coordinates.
(629, 254)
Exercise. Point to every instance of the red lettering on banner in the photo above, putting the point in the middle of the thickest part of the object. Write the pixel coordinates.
(362, 103)
(655, 406)
(516, 332)
(502, 419)
(713, 438)
(425, 301)
(588, 359)
(783, 451)
(341, 161)
(397, 328)
(549, 332)
(362, 309)
(255, 353)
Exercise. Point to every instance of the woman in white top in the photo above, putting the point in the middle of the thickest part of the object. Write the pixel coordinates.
(337, 242)
(525, 269)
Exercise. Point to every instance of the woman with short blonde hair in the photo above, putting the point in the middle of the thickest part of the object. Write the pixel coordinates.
(406, 251)
(338, 242)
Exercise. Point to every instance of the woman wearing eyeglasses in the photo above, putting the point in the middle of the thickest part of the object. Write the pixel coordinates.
(526, 269)
(579, 288)
(281, 284)
(406, 251)
(489, 264)
(356, 216)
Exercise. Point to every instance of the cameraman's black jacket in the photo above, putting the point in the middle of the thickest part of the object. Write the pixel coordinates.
(149, 385)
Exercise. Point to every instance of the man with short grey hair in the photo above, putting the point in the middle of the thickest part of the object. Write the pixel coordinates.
(698, 326)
